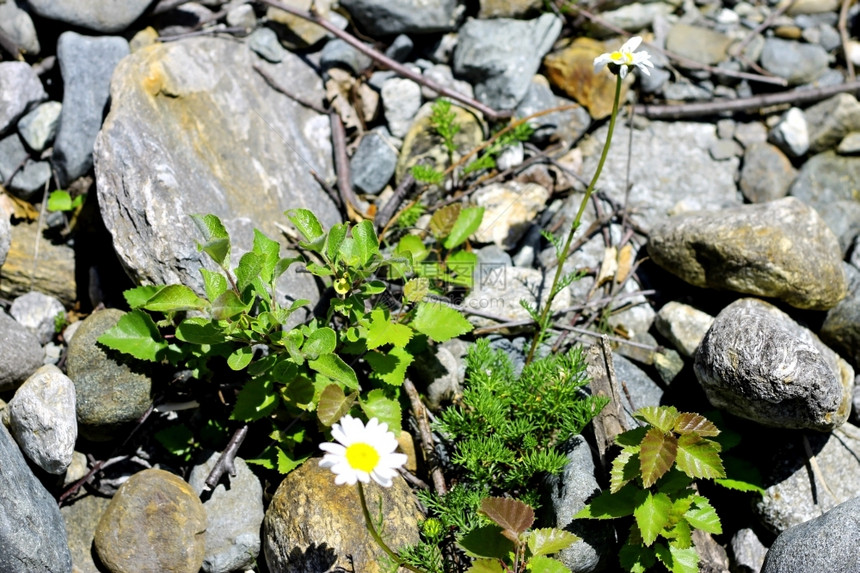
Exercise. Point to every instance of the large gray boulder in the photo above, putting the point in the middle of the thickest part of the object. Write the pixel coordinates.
(104, 16)
(194, 129)
(402, 16)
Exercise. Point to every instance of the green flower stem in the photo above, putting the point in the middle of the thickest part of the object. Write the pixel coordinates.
(544, 316)
(375, 534)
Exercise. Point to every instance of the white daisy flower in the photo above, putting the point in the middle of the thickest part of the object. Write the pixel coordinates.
(363, 452)
(620, 61)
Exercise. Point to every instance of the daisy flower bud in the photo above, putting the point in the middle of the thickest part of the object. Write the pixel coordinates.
(362, 452)
(620, 61)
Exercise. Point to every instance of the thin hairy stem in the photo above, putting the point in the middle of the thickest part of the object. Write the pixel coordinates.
(378, 538)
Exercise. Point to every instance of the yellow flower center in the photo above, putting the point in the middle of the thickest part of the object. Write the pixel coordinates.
(622, 57)
(362, 457)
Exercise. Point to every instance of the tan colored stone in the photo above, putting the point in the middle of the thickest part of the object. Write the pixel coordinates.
(306, 33)
(508, 8)
(509, 211)
(51, 273)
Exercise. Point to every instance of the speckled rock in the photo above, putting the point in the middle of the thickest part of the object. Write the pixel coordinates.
(509, 210)
(22, 354)
(757, 363)
(81, 519)
(38, 312)
(54, 272)
(841, 327)
(747, 551)
(113, 389)
(104, 16)
(767, 173)
(781, 249)
(132, 536)
(501, 295)
(20, 89)
(402, 16)
(796, 62)
(791, 134)
(683, 325)
(313, 525)
(830, 120)
(699, 44)
(39, 127)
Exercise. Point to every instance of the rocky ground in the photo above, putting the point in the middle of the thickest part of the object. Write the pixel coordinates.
(722, 250)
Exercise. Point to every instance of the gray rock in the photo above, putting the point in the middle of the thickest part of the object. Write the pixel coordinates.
(725, 149)
(637, 16)
(796, 62)
(767, 173)
(400, 48)
(686, 91)
(106, 16)
(841, 328)
(643, 390)
(781, 249)
(234, 513)
(569, 492)
(32, 536)
(791, 134)
(748, 551)
(231, 160)
(401, 100)
(372, 166)
(850, 144)
(442, 372)
(826, 543)
(42, 419)
(699, 44)
(29, 183)
(444, 76)
(20, 89)
(12, 156)
(821, 185)
(81, 518)
(264, 42)
(5, 237)
(86, 64)
(22, 354)
(567, 126)
(39, 127)
(683, 325)
(793, 493)
(757, 363)
(501, 296)
(509, 209)
(750, 133)
(500, 56)
(112, 389)
(242, 16)
(337, 53)
(697, 181)
(38, 312)
(402, 16)
(831, 120)
(18, 26)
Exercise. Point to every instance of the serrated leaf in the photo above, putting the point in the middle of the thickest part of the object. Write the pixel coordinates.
(688, 422)
(511, 514)
(249, 268)
(546, 541)
(416, 289)
(391, 366)
(609, 505)
(662, 417)
(228, 305)
(334, 404)
(439, 322)
(486, 541)
(542, 564)
(656, 455)
(174, 298)
(216, 241)
(240, 358)
(383, 331)
(333, 367)
(309, 226)
(366, 241)
(699, 457)
(137, 297)
(443, 220)
(215, 284)
(256, 400)
(287, 463)
(135, 333)
(321, 341)
(196, 330)
(739, 485)
(703, 516)
(652, 516)
(376, 405)
(631, 438)
(467, 223)
(485, 565)
(678, 560)
(625, 468)
(681, 535)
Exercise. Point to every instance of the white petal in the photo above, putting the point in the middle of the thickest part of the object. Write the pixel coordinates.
(631, 44)
(334, 449)
(644, 70)
(381, 480)
(601, 61)
(622, 71)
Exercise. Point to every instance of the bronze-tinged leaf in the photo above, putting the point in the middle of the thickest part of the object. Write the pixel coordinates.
(662, 417)
(699, 458)
(511, 514)
(656, 455)
(443, 220)
(688, 423)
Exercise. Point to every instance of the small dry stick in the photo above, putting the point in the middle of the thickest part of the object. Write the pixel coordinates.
(843, 34)
(355, 208)
(383, 216)
(226, 462)
(426, 437)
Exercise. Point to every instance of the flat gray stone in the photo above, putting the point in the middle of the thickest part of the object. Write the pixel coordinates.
(757, 363)
(500, 56)
(264, 41)
(781, 249)
(796, 62)
(106, 16)
(567, 126)
(831, 120)
(373, 163)
(747, 551)
(12, 156)
(194, 129)
(234, 513)
(643, 390)
(702, 45)
(767, 173)
(38, 312)
(18, 26)
(20, 89)
(29, 182)
(32, 535)
(81, 518)
(22, 354)
(402, 16)
(791, 134)
(86, 64)
(401, 100)
(42, 419)
(683, 325)
(841, 328)
(39, 127)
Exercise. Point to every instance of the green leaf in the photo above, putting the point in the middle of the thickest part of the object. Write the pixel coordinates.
(703, 516)
(467, 223)
(511, 514)
(688, 423)
(335, 237)
(287, 463)
(137, 297)
(439, 322)
(383, 331)
(174, 298)
(135, 333)
(739, 485)
(631, 438)
(309, 226)
(443, 220)
(178, 440)
(413, 245)
(612, 505)
(653, 516)
(228, 305)
(391, 366)
(662, 417)
(333, 366)
(386, 410)
(416, 289)
(636, 558)
(256, 400)
(283, 265)
(215, 284)
(61, 200)
(625, 467)
(678, 560)
(216, 241)
(269, 252)
(249, 268)
(196, 330)
(240, 358)
(546, 541)
(333, 404)
(656, 455)
(486, 541)
(349, 253)
(699, 457)
(321, 341)
(543, 564)
(366, 241)
(484, 565)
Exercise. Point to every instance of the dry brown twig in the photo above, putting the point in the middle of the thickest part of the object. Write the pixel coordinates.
(843, 35)
(427, 443)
